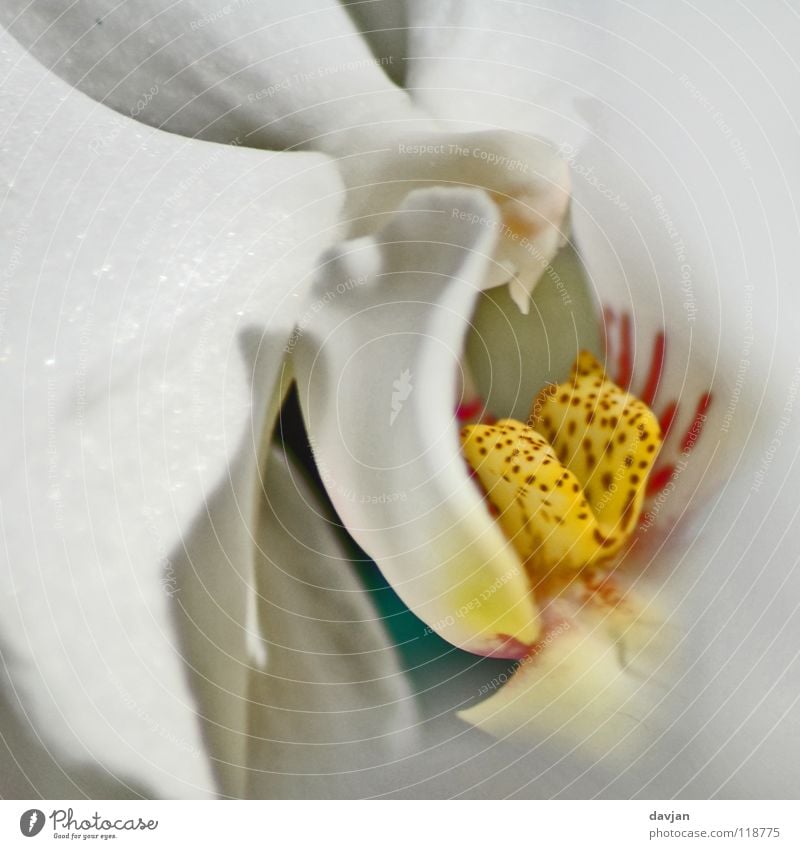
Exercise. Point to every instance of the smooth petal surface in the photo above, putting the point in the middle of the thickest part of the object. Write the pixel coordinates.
(150, 284)
(261, 74)
(377, 359)
(332, 711)
(521, 66)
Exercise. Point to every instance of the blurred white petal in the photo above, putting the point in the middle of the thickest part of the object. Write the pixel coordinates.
(263, 74)
(272, 77)
(332, 711)
(151, 283)
(477, 64)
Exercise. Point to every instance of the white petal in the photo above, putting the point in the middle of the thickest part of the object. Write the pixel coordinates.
(377, 362)
(523, 175)
(150, 286)
(478, 64)
(262, 74)
(332, 710)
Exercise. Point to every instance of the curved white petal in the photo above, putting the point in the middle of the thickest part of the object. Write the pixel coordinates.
(149, 284)
(523, 175)
(331, 711)
(260, 74)
(518, 66)
(377, 359)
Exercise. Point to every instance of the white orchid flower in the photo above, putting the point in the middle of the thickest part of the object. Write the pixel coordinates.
(217, 247)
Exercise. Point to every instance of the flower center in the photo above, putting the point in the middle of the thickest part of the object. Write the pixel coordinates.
(568, 486)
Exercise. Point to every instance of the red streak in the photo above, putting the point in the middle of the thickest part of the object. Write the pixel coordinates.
(667, 419)
(469, 410)
(696, 428)
(509, 647)
(656, 369)
(625, 361)
(659, 479)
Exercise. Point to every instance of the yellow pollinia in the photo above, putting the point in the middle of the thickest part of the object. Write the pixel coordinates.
(568, 486)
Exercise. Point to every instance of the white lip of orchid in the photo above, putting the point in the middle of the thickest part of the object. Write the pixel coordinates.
(523, 175)
(593, 679)
(401, 302)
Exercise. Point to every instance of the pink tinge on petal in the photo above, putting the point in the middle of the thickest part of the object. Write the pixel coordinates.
(505, 647)
(593, 590)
